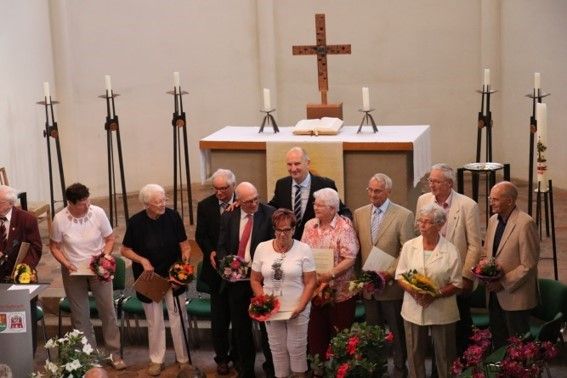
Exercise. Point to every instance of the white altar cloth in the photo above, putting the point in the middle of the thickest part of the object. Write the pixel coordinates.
(419, 136)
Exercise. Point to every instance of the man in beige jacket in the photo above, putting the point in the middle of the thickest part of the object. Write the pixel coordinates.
(462, 229)
(387, 226)
(512, 238)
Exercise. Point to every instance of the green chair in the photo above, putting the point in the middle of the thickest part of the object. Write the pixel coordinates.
(118, 285)
(359, 312)
(548, 315)
(200, 307)
(479, 309)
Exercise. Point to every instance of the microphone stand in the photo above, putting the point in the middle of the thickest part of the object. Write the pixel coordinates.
(179, 123)
(111, 124)
(52, 131)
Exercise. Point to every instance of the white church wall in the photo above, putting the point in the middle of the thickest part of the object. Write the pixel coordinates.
(533, 35)
(25, 63)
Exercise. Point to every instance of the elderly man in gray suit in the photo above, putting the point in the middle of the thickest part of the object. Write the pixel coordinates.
(387, 226)
(462, 229)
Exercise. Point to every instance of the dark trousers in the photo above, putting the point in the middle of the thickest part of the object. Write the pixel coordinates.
(239, 294)
(389, 313)
(324, 323)
(504, 324)
(220, 324)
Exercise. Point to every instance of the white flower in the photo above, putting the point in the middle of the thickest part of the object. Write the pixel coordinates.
(84, 340)
(75, 333)
(50, 343)
(87, 348)
(51, 367)
(73, 365)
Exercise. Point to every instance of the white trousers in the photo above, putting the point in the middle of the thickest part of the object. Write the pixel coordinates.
(156, 328)
(288, 343)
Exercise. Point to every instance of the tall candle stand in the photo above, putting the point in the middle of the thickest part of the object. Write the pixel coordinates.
(51, 131)
(549, 217)
(111, 124)
(367, 119)
(269, 120)
(180, 125)
(536, 97)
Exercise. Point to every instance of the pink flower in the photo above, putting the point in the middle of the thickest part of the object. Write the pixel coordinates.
(329, 354)
(478, 374)
(342, 370)
(235, 264)
(457, 367)
(351, 345)
(389, 338)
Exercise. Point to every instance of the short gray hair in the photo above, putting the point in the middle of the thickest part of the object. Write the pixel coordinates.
(148, 190)
(9, 193)
(227, 174)
(448, 172)
(329, 196)
(384, 179)
(439, 216)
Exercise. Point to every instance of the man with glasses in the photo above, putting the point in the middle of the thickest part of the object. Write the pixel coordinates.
(209, 213)
(462, 229)
(241, 230)
(295, 192)
(386, 226)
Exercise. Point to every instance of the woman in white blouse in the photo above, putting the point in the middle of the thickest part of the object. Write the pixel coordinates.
(432, 255)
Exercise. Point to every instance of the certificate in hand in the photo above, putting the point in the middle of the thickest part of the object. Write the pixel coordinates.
(152, 285)
(378, 260)
(324, 259)
(83, 269)
(281, 315)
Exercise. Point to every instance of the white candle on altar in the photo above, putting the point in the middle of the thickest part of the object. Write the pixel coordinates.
(267, 101)
(541, 117)
(365, 99)
(537, 81)
(108, 85)
(176, 81)
(486, 80)
(46, 92)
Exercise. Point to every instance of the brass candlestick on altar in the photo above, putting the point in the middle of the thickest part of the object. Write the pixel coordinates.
(367, 119)
(321, 49)
(269, 120)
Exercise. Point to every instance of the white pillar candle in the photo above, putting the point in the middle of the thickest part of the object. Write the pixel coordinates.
(486, 80)
(108, 85)
(365, 99)
(46, 92)
(541, 117)
(176, 81)
(537, 81)
(267, 101)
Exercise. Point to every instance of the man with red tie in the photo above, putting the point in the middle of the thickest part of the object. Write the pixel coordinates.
(241, 231)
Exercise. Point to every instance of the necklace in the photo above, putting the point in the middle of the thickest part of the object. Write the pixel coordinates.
(281, 249)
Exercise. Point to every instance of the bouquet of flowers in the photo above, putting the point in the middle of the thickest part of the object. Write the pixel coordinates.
(369, 282)
(75, 356)
(358, 352)
(181, 272)
(24, 274)
(525, 359)
(324, 294)
(420, 282)
(474, 355)
(103, 266)
(487, 270)
(233, 268)
(262, 307)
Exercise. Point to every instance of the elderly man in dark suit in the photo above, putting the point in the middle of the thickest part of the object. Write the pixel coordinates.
(387, 226)
(512, 238)
(209, 213)
(241, 230)
(295, 192)
(17, 226)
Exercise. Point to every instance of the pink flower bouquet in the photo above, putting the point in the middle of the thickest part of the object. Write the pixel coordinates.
(233, 268)
(262, 307)
(487, 270)
(103, 266)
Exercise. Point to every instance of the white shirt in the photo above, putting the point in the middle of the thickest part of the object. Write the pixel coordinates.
(81, 238)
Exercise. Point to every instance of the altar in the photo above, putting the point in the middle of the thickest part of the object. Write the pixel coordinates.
(401, 152)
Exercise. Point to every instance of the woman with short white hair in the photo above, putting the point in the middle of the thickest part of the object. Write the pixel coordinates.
(155, 239)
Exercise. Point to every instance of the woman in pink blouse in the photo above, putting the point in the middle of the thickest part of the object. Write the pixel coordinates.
(328, 230)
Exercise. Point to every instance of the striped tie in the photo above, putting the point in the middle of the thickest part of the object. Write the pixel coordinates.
(375, 223)
(297, 204)
(3, 234)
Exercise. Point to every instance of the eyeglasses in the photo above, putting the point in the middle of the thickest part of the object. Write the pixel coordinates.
(250, 201)
(158, 202)
(375, 191)
(283, 230)
(221, 189)
(436, 182)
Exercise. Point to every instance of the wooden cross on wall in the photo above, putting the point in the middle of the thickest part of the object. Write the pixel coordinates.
(321, 49)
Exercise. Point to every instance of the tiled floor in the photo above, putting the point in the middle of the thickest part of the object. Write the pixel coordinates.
(136, 352)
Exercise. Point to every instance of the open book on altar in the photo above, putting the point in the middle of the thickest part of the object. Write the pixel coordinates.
(322, 126)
